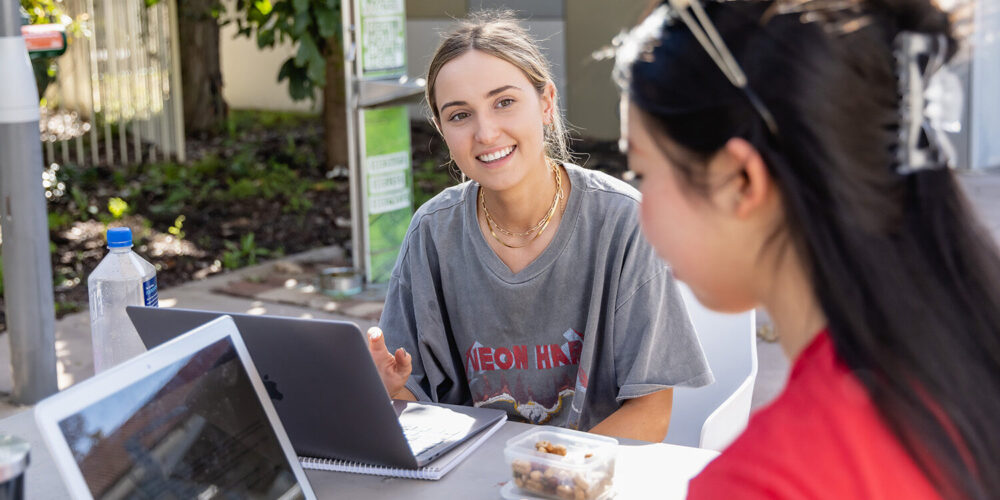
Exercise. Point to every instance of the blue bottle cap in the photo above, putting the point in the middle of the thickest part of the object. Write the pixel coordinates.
(119, 237)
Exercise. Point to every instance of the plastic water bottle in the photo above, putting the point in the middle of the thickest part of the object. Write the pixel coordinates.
(121, 279)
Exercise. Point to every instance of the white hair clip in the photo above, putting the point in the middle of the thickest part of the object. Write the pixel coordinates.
(931, 100)
(704, 31)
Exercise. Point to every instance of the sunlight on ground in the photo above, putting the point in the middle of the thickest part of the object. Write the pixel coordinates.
(64, 378)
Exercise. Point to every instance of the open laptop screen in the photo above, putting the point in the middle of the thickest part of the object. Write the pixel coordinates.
(194, 429)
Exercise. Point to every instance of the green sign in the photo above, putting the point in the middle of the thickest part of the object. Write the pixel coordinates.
(388, 187)
(383, 38)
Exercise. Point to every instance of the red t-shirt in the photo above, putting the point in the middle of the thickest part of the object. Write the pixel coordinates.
(821, 438)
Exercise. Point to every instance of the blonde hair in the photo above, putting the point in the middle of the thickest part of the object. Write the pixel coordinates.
(498, 34)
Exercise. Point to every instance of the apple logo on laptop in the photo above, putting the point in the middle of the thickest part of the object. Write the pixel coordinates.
(272, 389)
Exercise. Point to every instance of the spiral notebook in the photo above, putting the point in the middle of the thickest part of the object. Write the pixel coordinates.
(436, 470)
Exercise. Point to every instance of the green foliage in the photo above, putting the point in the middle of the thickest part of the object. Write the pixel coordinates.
(117, 207)
(241, 121)
(59, 220)
(44, 11)
(307, 23)
(245, 253)
(82, 202)
(269, 169)
(49, 12)
(63, 307)
(429, 178)
(177, 228)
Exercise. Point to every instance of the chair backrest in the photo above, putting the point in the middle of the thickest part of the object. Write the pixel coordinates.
(713, 416)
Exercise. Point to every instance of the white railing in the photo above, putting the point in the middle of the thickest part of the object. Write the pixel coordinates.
(116, 99)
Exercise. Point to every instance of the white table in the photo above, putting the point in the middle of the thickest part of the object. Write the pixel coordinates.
(643, 470)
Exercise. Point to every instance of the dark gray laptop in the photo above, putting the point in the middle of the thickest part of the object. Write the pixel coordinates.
(327, 391)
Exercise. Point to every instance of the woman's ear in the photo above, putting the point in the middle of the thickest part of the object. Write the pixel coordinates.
(548, 99)
(747, 184)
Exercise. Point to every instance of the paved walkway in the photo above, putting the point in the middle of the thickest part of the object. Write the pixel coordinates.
(265, 289)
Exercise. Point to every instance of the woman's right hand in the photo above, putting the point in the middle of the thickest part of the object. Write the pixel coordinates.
(393, 368)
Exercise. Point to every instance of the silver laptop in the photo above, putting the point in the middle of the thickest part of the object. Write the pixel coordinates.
(327, 391)
(189, 419)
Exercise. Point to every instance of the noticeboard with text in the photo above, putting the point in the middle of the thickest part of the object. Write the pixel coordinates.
(383, 38)
(387, 178)
(388, 187)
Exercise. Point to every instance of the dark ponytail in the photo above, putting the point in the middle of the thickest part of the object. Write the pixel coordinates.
(907, 278)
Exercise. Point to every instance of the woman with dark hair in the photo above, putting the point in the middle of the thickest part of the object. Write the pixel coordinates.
(789, 158)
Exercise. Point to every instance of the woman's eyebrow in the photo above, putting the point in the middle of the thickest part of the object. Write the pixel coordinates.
(501, 89)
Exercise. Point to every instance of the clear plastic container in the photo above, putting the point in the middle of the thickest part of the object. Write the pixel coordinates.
(585, 471)
(121, 279)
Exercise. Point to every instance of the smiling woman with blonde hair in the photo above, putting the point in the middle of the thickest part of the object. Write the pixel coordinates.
(528, 288)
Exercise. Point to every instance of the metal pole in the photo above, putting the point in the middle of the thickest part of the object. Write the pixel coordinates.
(27, 271)
(351, 70)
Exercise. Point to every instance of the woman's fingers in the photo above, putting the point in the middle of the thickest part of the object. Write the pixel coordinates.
(376, 344)
(404, 363)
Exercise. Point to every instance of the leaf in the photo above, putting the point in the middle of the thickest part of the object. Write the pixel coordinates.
(307, 51)
(264, 6)
(317, 71)
(328, 21)
(301, 24)
(300, 5)
(286, 69)
(117, 207)
(265, 38)
(299, 87)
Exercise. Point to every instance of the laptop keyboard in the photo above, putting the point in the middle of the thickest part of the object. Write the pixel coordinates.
(424, 438)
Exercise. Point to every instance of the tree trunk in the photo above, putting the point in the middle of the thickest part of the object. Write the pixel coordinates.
(334, 105)
(201, 72)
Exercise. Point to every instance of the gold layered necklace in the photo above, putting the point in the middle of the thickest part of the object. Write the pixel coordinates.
(538, 228)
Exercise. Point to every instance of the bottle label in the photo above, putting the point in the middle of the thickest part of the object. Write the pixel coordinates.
(149, 294)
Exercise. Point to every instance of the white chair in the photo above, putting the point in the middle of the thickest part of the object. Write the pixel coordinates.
(713, 416)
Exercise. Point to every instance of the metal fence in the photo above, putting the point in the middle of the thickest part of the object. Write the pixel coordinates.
(116, 99)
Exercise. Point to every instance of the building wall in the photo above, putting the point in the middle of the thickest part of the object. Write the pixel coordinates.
(250, 74)
(592, 97)
(569, 32)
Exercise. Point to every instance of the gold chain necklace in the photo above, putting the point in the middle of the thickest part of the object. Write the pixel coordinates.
(540, 226)
(491, 220)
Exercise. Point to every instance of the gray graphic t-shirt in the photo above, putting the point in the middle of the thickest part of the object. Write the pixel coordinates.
(596, 319)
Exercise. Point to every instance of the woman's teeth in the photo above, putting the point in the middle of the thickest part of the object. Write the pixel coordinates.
(496, 155)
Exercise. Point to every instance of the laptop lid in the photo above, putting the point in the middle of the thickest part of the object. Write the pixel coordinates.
(323, 383)
(189, 419)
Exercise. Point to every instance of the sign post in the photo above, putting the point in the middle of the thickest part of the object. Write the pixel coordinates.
(379, 128)
(27, 271)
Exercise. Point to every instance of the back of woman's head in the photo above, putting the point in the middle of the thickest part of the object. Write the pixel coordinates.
(905, 275)
(497, 33)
